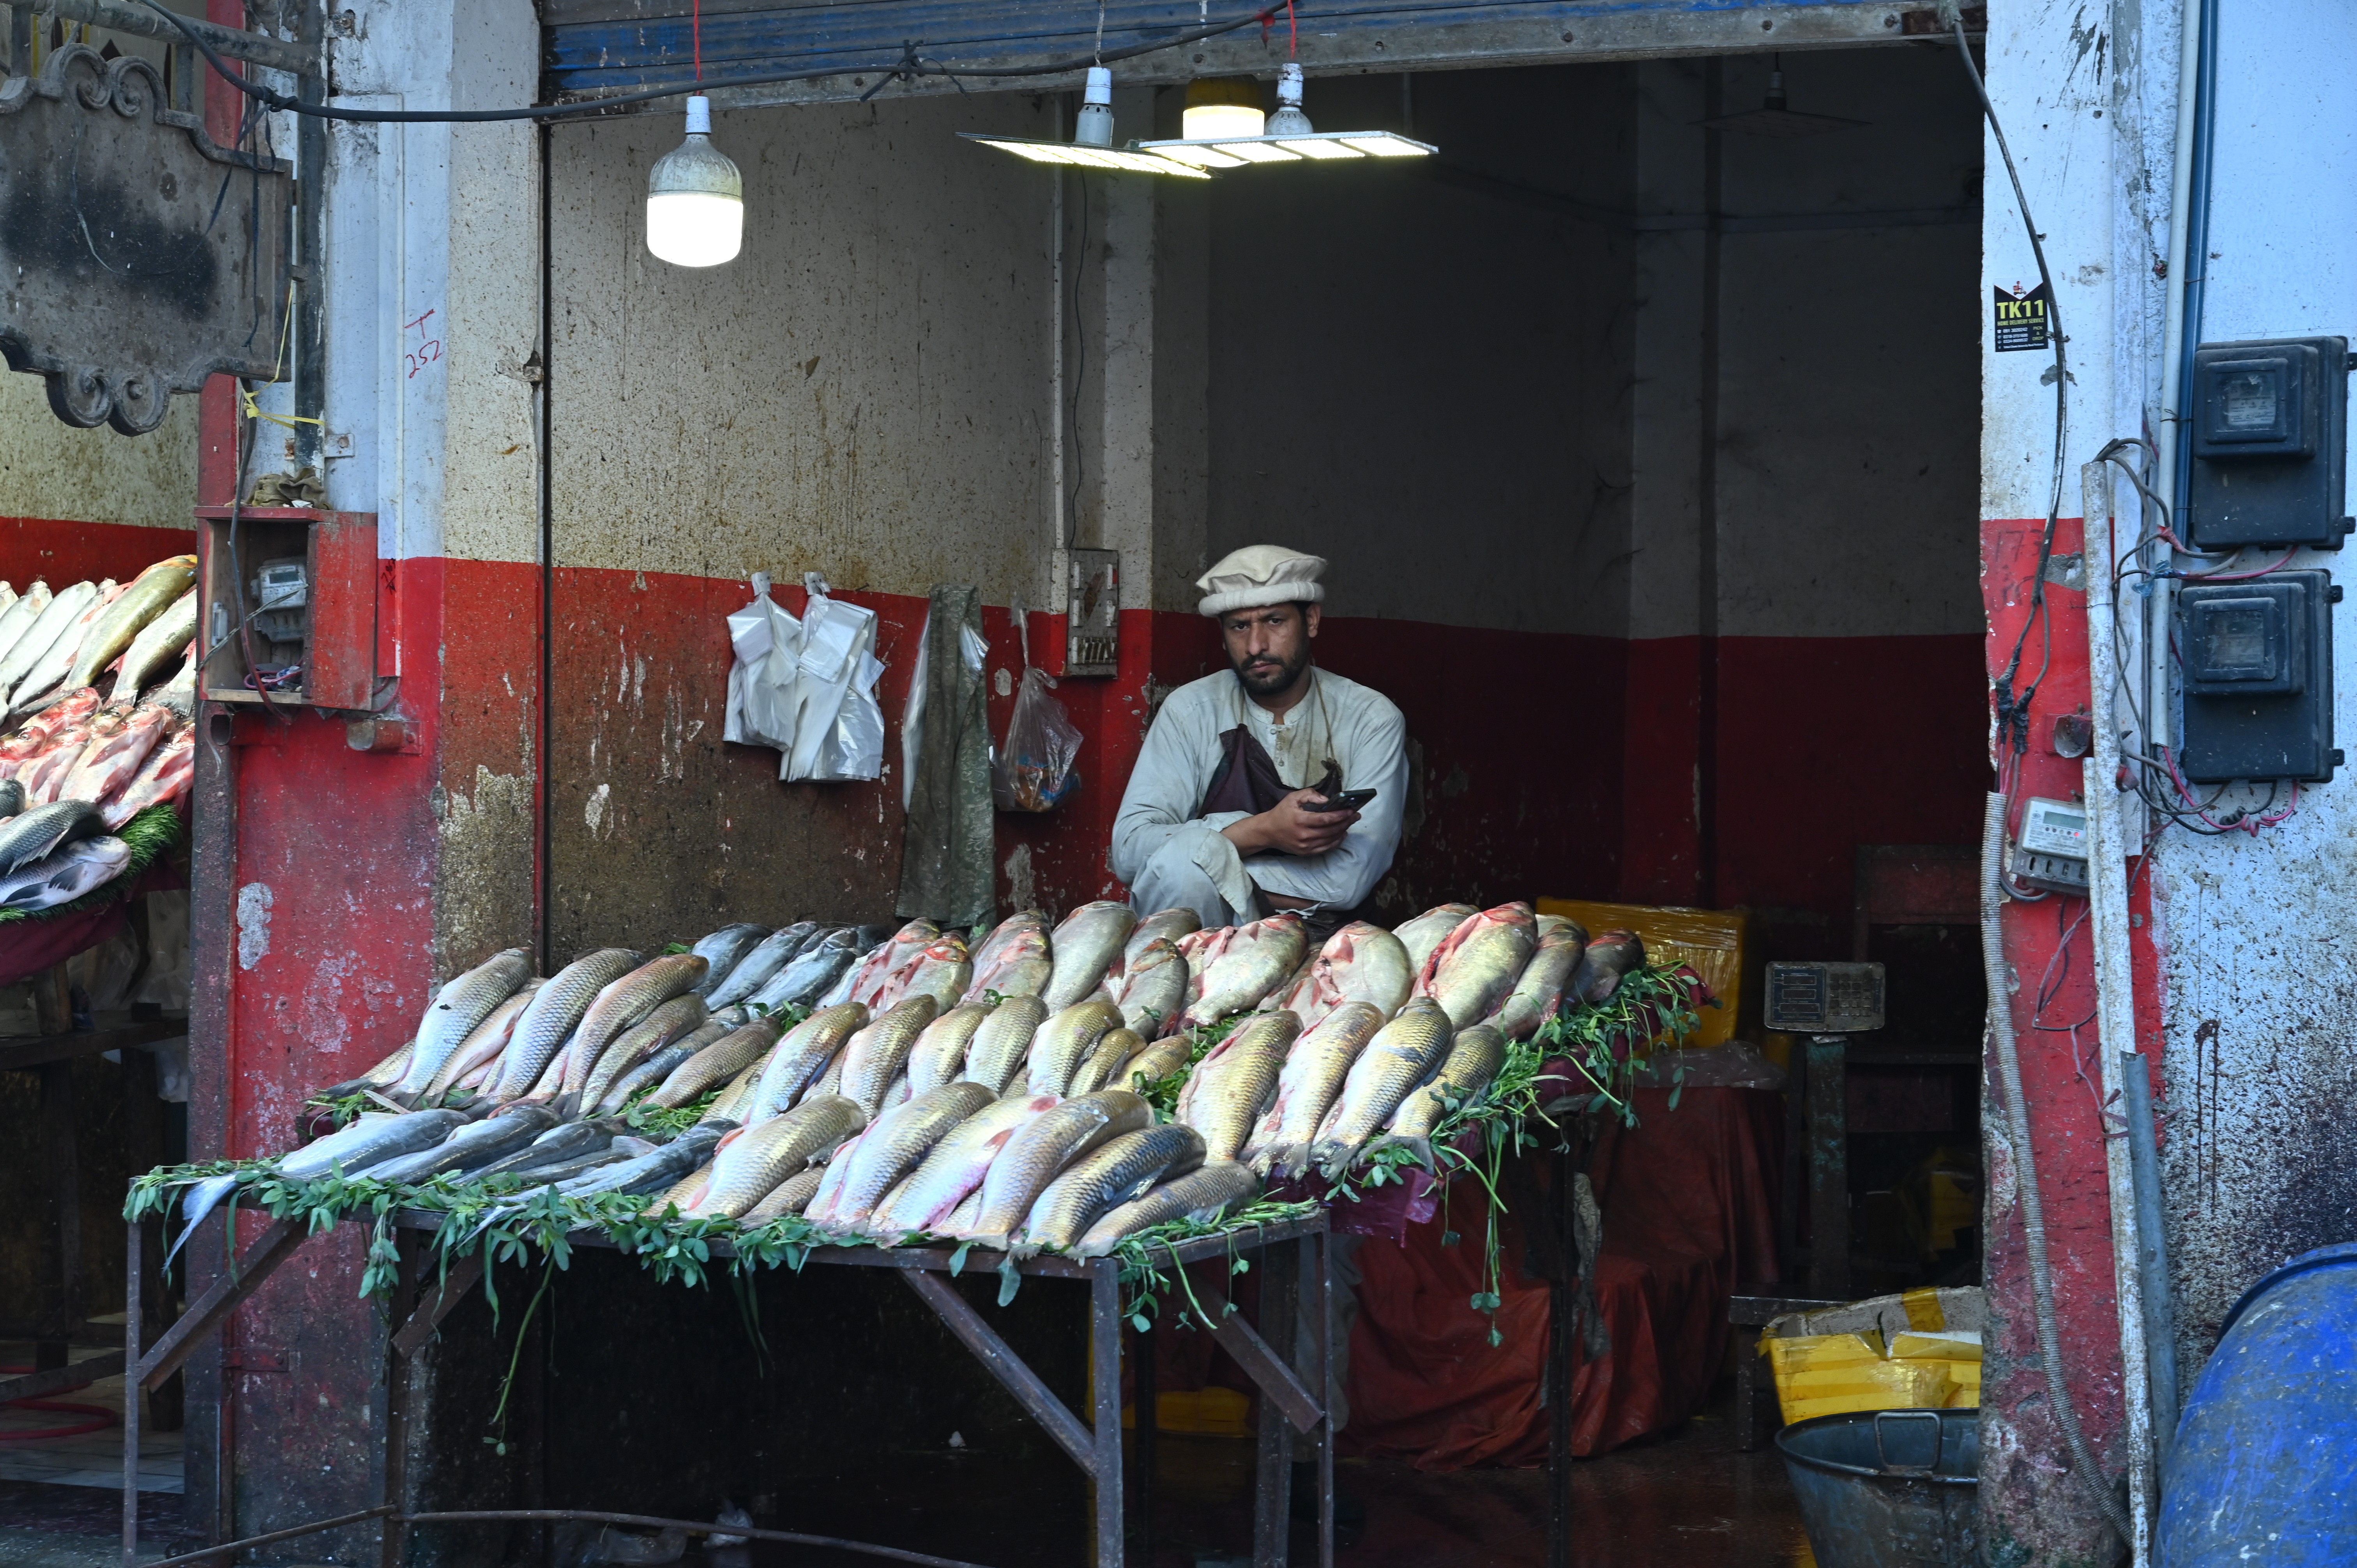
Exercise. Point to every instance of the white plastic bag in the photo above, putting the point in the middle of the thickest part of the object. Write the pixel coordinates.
(762, 681)
(838, 724)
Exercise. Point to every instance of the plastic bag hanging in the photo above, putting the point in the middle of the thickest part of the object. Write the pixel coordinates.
(838, 724)
(763, 676)
(1033, 771)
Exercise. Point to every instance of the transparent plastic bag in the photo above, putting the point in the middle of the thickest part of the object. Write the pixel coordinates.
(1033, 771)
(838, 731)
(763, 678)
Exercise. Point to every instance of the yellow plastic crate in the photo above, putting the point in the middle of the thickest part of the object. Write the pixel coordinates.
(1710, 941)
(1833, 1374)
(1211, 1411)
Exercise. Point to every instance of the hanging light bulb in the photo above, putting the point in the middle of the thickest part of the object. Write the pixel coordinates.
(1095, 127)
(1091, 144)
(1288, 120)
(1221, 106)
(695, 197)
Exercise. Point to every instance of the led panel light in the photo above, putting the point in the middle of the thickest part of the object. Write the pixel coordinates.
(1328, 146)
(1200, 156)
(1259, 150)
(1384, 144)
(1321, 147)
(1073, 155)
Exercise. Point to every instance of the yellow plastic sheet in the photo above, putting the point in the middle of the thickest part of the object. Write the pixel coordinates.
(1834, 1374)
(1710, 941)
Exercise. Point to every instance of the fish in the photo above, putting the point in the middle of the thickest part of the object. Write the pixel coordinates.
(625, 1002)
(49, 670)
(679, 1017)
(159, 644)
(1201, 1195)
(829, 1081)
(941, 972)
(1361, 962)
(1403, 1055)
(553, 1013)
(178, 693)
(371, 1139)
(650, 1171)
(149, 595)
(790, 1195)
(1476, 965)
(760, 963)
(1231, 1088)
(995, 1054)
(649, 1074)
(462, 1004)
(1549, 923)
(895, 1144)
(1201, 948)
(873, 1058)
(811, 971)
(1122, 1169)
(1256, 958)
(713, 1067)
(1608, 959)
(750, 1162)
(1430, 930)
(1306, 1086)
(1065, 1041)
(800, 1057)
(163, 777)
(1083, 947)
(724, 950)
(955, 1168)
(66, 876)
(563, 1171)
(19, 617)
(106, 765)
(39, 832)
(475, 1144)
(1097, 1069)
(1152, 1063)
(61, 612)
(1041, 1150)
(50, 721)
(1020, 940)
(485, 1041)
(1152, 990)
(866, 982)
(728, 1105)
(1473, 1060)
(1539, 992)
(1163, 925)
(938, 1055)
(565, 1141)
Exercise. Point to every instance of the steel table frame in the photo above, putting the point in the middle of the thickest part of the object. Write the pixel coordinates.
(1294, 1376)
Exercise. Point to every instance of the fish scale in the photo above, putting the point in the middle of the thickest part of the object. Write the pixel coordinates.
(1404, 1054)
(1083, 947)
(750, 1163)
(461, 1005)
(1312, 1075)
(765, 959)
(1041, 1148)
(714, 1065)
(1125, 1168)
(553, 1013)
(1473, 1060)
(873, 1058)
(1201, 1195)
(938, 1055)
(1539, 990)
(896, 1145)
(956, 1166)
(996, 1051)
(1231, 1086)
(1065, 1041)
(623, 1003)
(680, 1015)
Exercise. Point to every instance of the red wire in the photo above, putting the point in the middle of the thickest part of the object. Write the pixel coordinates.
(696, 31)
(1293, 27)
(2240, 576)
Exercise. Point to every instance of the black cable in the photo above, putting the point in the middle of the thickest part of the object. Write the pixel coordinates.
(1080, 374)
(908, 65)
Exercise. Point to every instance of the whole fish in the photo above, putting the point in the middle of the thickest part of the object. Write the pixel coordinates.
(158, 647)
(1023, 969)
(1021, 939)
(152, 593)
(625, 1002)
(39, 832)
(955, 1168)
(60, 614)
(1124, 1169)
(874, 1057)
(724, 950)
(455, 1010)
(1255, 960)
(1306, 1086)
(1152, 989)
(941, 972)
(19, 617)
(1041, 1150)
(938, 1055)
(385, 1075)
(790, 1195)
(1202, 1195)
(650, 1172)
(1475, 968)
(487, 1040)
(713, 1066)
(1096, 1071)
(762, 961)
(1231, 1088)
(68, 873)
(1610, 957)
(165, 776)
(1152, 1063)
(106, 765)
(1201, 949)
(1404, 1054)
(554, 1013)
(49, 670)
(565, 1141)
(750, 1162)
(50, 721)
(811, 971)
(996, 1054)
(373, 1138)
(563, 1171)
(829, 1081)
(1473, 1060)
(987, 946)
(1163, 925)
(1540, 990)
(475, 1144)
(728, 1105)
(12, 798)
(895, 1146)
(1549, 923)
(648, 1074)
(800, 1057)
(679, 1017)
(1430, 930)
(866, 982)
(1361, 962)
(1065, 1041)
(179, 692)
(1083, 947)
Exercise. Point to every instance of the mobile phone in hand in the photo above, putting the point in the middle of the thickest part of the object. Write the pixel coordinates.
(1347, 800)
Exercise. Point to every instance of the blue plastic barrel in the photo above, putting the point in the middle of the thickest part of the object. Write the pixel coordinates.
(2263, 1470)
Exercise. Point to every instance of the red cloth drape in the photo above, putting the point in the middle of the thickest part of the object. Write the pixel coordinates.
(28, 946)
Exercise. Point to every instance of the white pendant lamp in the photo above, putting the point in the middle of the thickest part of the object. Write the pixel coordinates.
(1285, 137)
(695, 198)
(1221, 106)
(1091, 144)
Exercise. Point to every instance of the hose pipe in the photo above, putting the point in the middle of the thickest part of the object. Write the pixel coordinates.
(2025, 1166)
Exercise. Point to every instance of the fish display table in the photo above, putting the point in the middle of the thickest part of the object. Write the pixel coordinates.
(1293, 1371)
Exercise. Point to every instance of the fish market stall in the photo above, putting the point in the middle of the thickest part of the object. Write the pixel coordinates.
(1110, 1101)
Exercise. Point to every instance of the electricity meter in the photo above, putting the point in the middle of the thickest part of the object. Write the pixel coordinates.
(2051, 852)
(2270, 432)
(2256, 658)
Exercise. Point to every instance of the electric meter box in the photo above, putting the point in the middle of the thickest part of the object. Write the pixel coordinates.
(2051, 852)
(2256, 663)
(1823, 998)
(2270, 442)
(308, 597)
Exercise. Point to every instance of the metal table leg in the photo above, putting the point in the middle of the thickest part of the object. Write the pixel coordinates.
(1104, 1330)
(1273, 1490)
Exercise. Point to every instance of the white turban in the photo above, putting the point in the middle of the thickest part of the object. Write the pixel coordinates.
(1261, 575)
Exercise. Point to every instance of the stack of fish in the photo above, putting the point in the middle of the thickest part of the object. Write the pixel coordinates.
(63, 742)
(986, 1091)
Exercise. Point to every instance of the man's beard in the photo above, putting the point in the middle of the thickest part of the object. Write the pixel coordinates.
(1268, 680)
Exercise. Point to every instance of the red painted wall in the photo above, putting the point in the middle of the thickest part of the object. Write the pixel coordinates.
(63, 554)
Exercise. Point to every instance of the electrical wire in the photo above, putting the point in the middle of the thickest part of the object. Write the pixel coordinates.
(1080, 374)
(909, 65)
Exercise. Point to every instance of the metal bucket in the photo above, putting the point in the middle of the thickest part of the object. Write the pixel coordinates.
(1889, 1488)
